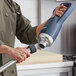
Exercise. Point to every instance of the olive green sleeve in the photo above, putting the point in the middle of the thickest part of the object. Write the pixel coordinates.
(1, 43)
(24, 31)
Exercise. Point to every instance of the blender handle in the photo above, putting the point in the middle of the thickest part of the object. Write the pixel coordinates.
(60, 20)
(70, 8)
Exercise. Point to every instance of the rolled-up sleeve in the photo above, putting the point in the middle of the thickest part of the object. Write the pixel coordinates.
(24, 31)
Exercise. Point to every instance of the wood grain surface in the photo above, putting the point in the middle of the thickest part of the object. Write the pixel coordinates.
(43, 57)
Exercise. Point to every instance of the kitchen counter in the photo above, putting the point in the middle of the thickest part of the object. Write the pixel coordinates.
(46, 65)
(46, 69)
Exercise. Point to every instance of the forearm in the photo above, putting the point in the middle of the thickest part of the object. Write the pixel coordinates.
(4, 49)
(39, 28)
(19, 54)
(58, 11)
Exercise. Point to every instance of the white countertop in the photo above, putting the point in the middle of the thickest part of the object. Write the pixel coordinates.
(45, 65)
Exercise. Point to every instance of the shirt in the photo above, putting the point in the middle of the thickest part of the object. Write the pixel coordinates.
(13, 23)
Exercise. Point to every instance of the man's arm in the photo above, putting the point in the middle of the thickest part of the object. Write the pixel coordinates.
(24, 31)
(28, 34)
(58, 11)
(19, 54)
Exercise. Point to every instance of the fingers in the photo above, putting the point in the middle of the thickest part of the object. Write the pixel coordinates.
(63, 9)
(23, 54)
(19, 54)
(26, 52)
(61, 6)
(60, 10)
(21, 58)
(59, 13)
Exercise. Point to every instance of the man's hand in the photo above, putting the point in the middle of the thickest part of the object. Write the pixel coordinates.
(19, 54)
(58, 11)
